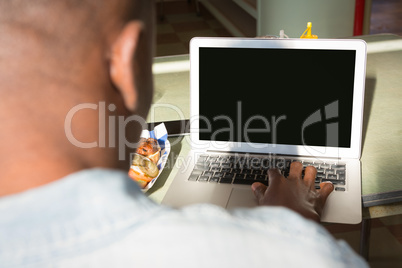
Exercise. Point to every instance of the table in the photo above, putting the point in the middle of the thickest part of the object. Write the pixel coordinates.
(382, 127)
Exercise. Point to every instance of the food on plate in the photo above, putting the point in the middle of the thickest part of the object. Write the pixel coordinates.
(143, 170)
(144, 167)
(149, 148)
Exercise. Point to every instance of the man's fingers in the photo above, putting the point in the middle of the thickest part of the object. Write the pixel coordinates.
(295, 171)
(258, 190)
(326, 189)
(310, 173)
(273, 175)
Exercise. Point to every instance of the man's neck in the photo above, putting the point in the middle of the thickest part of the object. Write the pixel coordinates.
(29, 163)
(34, 147)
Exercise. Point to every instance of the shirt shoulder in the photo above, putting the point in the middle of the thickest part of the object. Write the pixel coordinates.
(100, 218)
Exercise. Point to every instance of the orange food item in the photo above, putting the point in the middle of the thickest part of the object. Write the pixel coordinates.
(143, 170)
(139, 177)
(149, 148)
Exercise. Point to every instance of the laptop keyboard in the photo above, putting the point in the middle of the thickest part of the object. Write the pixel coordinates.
(241, 169)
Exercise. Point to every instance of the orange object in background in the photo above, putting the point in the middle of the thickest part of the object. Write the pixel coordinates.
(307, 32)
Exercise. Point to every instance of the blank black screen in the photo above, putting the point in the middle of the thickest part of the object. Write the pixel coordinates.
(276, 91)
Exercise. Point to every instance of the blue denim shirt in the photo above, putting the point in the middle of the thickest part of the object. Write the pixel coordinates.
(100, 218)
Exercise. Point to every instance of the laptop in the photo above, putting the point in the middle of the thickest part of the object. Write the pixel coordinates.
(262, 103)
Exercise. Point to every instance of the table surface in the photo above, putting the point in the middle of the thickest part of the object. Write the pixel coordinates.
(382, 127)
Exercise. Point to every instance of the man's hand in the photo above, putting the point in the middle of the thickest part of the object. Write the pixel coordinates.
(294, 192)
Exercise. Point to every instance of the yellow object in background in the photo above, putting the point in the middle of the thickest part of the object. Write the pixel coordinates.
(307, 32)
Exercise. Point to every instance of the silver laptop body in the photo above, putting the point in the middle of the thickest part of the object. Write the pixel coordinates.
(275, 101)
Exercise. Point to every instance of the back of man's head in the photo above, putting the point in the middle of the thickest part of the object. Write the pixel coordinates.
(55, 55)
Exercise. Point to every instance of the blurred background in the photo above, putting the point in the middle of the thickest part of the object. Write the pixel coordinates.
(180, 20)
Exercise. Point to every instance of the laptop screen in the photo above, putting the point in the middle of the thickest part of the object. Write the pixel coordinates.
(276, 96)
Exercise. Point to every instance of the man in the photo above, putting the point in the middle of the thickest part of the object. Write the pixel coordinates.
(74, 206)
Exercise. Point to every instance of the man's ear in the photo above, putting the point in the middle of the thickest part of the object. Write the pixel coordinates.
(123, 53)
